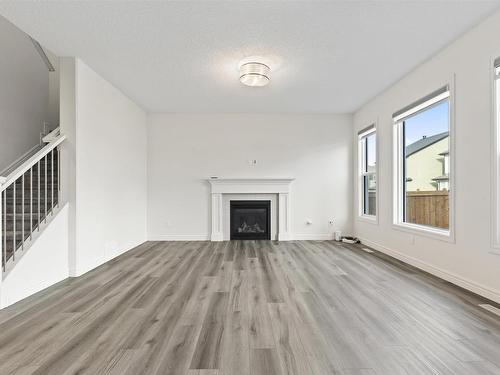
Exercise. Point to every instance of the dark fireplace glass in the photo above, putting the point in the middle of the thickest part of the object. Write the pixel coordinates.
(250, 220)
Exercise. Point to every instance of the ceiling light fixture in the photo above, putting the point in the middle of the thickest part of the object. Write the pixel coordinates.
(254, 74)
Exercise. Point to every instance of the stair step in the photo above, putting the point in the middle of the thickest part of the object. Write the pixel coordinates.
(9, 226)
(26, 202)
(27, 194)
(35, 180)
(19, 207)
(34, 188)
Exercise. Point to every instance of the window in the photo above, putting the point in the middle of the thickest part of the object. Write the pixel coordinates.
(368, 172)
(422, 145)
(496, 161)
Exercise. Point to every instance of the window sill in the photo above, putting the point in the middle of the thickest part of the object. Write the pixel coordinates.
(368, 219)
(420, 230)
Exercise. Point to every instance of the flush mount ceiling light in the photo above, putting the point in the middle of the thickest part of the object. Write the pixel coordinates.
(253, 73)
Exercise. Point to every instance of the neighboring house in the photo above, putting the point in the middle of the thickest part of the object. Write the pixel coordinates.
(427, 163)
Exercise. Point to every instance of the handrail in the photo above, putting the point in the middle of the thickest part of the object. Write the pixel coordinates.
(28, 196)
(23, 168)
(52, 135)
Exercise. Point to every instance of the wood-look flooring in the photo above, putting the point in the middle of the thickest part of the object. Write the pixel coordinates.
(251, 308)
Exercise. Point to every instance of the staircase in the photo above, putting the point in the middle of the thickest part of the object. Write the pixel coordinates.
(28, 197)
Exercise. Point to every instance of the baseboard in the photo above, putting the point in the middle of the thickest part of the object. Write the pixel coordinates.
(179, 237)
(462, 282)
(313, 237)
(206, 237)
(99, 261)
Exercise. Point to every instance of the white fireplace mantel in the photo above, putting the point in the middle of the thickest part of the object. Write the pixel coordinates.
(279, 186)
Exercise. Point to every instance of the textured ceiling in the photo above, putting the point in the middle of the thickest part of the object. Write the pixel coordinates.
(326, 57)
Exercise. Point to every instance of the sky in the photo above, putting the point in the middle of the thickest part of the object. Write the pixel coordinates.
(428, 123)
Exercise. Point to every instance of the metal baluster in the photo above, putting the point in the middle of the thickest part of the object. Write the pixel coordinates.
(38, 205)
(22, 212)
(45, 190)
(31, 203)
(14, 221)
(52, 182)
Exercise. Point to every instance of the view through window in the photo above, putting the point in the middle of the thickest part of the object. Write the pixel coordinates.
(368, 154)
(426, 167)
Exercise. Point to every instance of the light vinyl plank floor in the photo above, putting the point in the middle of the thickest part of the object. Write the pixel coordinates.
(251, 308)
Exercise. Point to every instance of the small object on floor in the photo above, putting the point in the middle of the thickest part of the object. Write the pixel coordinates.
(349, 239)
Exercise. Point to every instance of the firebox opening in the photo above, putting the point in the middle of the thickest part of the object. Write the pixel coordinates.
(250, 220)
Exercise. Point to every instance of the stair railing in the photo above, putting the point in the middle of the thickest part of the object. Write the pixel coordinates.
(28, 196)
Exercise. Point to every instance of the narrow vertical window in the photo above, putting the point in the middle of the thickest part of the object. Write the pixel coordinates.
(368, 172)
(423, 163)
(496, 161)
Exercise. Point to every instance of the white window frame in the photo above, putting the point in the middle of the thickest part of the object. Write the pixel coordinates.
(398, 166)
(372, 129)
(495, 180)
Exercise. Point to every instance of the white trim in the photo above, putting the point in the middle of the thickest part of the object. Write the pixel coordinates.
(18, 160)
(397, 172)
(421, 106)
(422, 230)
(179, 237)
(491, 294)
(361, 216)
(279, 186)
(99, 260)
(250, 185)
(372, 219)
(366, 133)
(495, 164)
(206, 237)
(314, 237)
(52, 135)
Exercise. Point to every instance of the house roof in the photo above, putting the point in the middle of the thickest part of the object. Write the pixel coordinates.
(424, 142)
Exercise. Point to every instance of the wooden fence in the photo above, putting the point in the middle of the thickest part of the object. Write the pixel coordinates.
(430, 208)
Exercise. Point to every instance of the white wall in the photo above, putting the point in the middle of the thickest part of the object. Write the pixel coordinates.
(68, 66)
(54, 90)
(470, 261)
(24, 92)
(104, 186)
(184, 150)
(44, 263)
(111, 180)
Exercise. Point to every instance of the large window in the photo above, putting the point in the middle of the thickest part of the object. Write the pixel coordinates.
(423, 163)
(368, 172)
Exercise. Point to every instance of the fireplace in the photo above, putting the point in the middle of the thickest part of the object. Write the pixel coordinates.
(250, 220)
